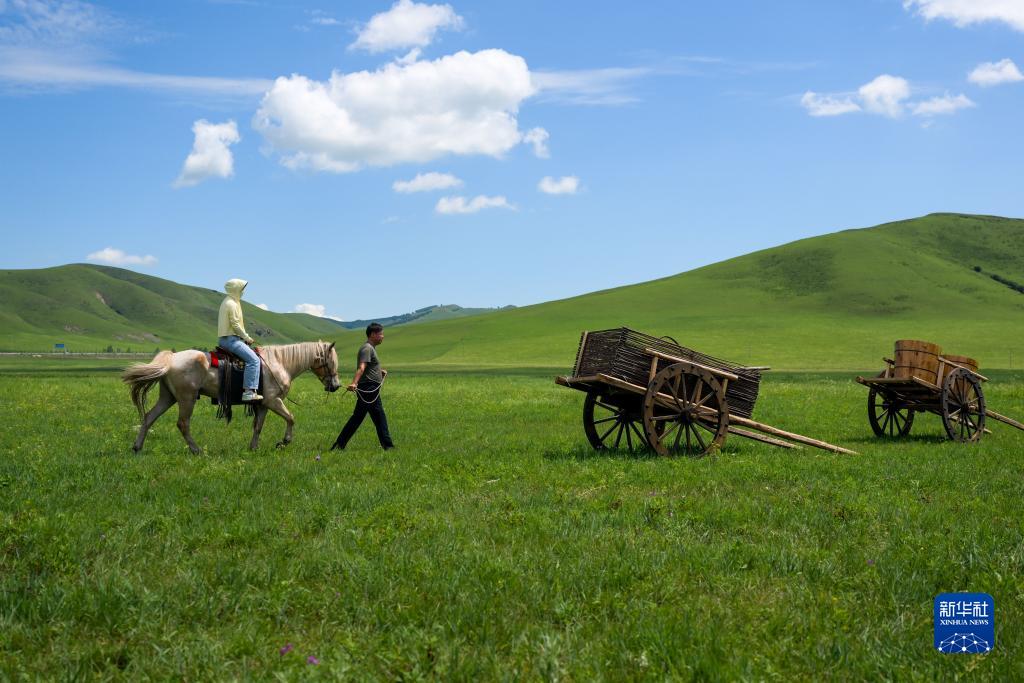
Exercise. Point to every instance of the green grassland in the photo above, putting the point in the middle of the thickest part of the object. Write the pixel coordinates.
(493, 543)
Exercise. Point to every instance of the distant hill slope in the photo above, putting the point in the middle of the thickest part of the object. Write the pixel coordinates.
(426, 314)
(89, 307)
(834, 301)
(837, 301)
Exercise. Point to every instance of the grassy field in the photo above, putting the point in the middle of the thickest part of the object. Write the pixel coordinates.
(493, 543)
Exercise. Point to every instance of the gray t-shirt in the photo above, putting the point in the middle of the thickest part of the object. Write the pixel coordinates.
(368, 355)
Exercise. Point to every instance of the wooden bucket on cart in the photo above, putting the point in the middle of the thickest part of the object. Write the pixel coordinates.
(917, 359)
(965, 361)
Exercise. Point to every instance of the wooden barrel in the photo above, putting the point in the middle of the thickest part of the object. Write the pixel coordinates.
(917, 359)
(965, 361)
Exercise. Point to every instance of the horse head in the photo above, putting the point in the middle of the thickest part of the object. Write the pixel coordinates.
(325, 367)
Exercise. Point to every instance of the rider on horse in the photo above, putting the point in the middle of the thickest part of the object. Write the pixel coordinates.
(234, 338)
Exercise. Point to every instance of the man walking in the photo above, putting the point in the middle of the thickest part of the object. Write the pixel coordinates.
(367, 384)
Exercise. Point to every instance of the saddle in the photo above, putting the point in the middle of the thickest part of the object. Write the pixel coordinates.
(230, 369)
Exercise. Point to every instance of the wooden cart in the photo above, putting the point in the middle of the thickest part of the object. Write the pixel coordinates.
(645, 391)
(921, 379)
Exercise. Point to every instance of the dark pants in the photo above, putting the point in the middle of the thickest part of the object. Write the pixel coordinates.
(380, 421)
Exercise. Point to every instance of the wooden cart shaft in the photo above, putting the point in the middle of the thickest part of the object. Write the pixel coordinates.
(589, 382)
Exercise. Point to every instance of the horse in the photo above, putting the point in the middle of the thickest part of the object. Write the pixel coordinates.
(184, 375)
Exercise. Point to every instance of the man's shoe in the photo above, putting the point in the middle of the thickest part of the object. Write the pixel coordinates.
(250, 395)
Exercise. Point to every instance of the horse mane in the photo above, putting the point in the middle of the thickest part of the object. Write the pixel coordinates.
(294, 355)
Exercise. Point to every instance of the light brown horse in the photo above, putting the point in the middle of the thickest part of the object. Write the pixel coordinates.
(184, 375)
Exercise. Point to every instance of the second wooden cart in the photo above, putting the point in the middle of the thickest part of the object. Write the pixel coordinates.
(921, 379)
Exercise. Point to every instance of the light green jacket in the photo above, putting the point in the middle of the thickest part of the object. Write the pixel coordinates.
(230, 321)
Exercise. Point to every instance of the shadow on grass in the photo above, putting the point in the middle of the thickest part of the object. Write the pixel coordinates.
(912, 438)
(584, 453)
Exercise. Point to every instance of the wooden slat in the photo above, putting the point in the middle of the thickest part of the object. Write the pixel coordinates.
(571, 381)
(621, 383)
(955, 365)
(676, 359)
(758, 368)
(1003, 419)
(579, 355)
(806, 440)
(747, 434)
(909, 381)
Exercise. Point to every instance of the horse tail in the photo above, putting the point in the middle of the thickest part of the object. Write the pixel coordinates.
(142, 376)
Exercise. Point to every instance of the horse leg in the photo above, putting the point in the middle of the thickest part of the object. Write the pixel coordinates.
(165, 401)
(257, 426)
(185, 406)
(277, 405)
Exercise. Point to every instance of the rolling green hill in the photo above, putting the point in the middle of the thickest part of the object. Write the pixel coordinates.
(837, 301)
(89, 307)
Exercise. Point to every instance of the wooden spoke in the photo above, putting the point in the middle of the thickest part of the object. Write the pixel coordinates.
(608, 425)
(888, 417)
(684, 411)
(963, 406)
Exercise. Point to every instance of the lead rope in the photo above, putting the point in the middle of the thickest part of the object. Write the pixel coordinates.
(375, 391)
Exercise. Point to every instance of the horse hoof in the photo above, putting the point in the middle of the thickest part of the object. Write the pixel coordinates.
(281, 444)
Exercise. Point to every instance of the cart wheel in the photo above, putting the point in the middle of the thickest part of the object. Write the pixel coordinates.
(963, 406)
(685, 411)
(608, 425)
(888, 417)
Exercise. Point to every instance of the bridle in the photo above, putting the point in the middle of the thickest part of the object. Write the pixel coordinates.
(322, 362)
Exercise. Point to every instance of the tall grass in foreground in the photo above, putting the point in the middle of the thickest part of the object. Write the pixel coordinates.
(493, 543)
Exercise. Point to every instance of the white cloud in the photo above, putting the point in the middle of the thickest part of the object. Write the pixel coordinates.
(426, 182)
(464, 104)
(828, 105)
(41, 68)
(116, 257)
(319, 310)
(538, 137)
(53, 44)
(590, 86)
(210, 156)
(407, 24)
(263, 306)
(947, 104)
(54, 22)
(885, 95)
(996, 73)
(967, 12)
(564, 185)
(410, 56)
(459, 205)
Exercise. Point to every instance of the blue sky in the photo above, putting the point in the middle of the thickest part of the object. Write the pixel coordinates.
(374, 157)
